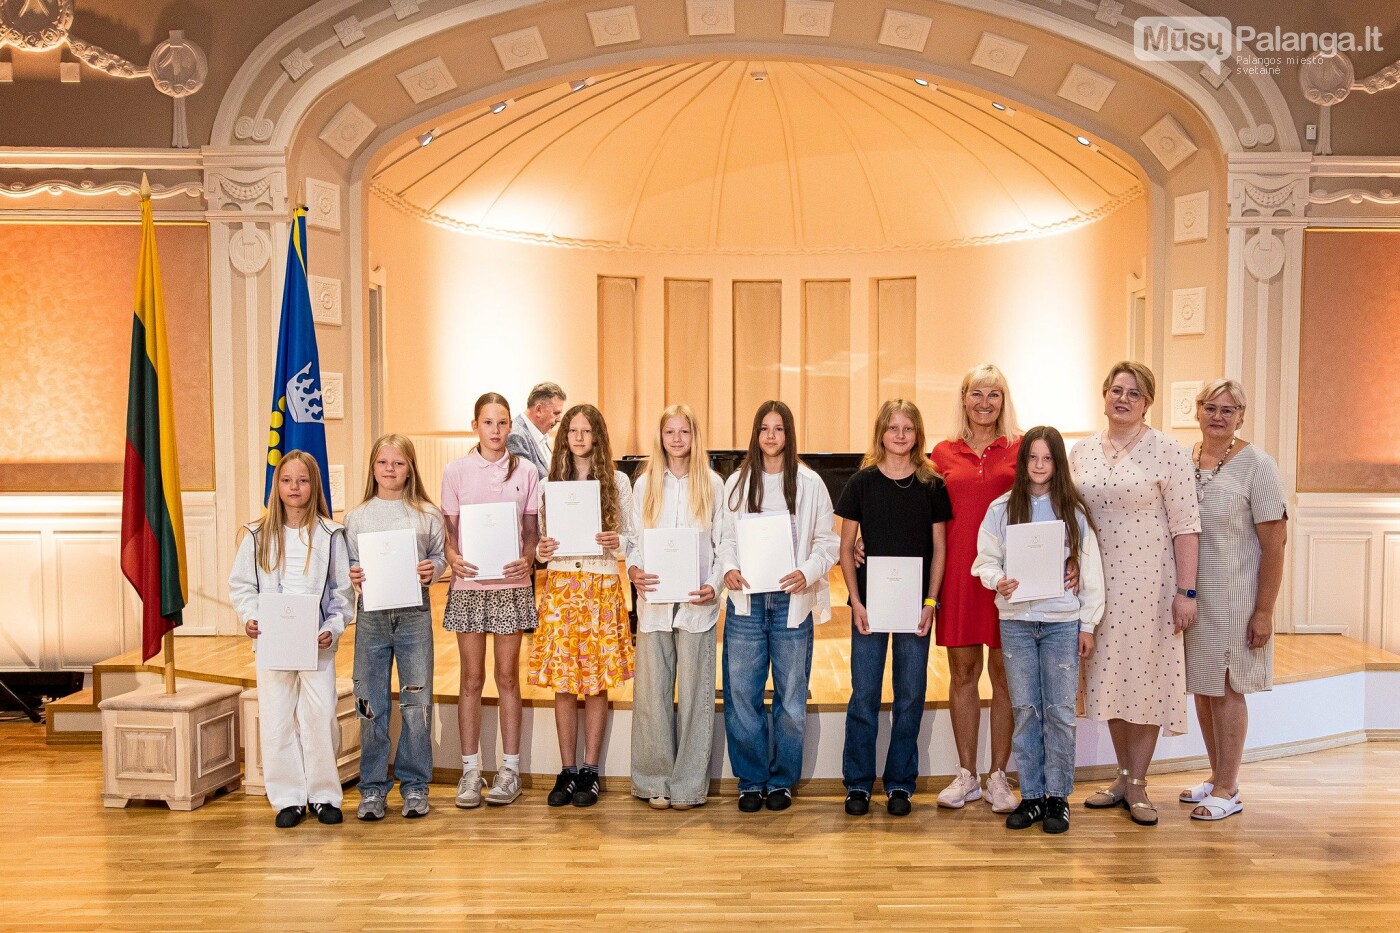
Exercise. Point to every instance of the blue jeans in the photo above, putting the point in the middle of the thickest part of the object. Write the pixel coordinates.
(910, 676)
(1042, 671)
(751, 644)
(382, 638)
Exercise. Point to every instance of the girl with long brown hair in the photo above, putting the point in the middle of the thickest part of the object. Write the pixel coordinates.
(296, 549)
(395, 500)
(1043, 639)
(773, 631)
(899, 505)
(504, 608)
(584, 644)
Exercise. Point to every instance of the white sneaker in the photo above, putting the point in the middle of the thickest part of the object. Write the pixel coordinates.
(999, 793)
(965, 787)
(469, 790)
(505, 788)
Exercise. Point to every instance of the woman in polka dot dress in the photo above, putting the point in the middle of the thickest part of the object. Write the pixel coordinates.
(1139, 485)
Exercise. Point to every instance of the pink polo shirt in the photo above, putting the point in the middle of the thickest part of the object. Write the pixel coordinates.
(473, 479)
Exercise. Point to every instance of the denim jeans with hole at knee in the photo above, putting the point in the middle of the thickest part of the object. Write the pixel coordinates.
(383, 638)
(1042, 670)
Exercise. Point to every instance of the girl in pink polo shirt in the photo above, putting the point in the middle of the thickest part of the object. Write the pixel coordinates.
(505, 608)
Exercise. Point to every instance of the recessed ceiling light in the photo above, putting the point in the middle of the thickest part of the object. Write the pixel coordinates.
(576, 86)
(1083, 140)
(425, 138)
(498, 107)
(759, 75)
(998, 106)
(921, 82)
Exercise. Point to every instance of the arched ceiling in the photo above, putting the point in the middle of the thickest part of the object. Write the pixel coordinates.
(749, 156)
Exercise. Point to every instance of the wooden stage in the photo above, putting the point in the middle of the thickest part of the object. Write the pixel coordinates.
(230, 660)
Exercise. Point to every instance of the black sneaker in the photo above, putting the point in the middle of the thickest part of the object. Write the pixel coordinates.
(899, 803)
(779, 799)
(1056, 815)
(1030, 811)
(586, 787)
(327, 813)
(564, 786)
(750, 801)
(857, 802)
(287, 817)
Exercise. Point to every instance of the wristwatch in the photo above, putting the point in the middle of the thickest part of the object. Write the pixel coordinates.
(1189, 594)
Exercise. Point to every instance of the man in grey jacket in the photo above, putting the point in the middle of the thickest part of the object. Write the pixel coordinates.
(529, 432)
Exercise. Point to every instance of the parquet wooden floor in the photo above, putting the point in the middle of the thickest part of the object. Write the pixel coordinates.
(1315, 849)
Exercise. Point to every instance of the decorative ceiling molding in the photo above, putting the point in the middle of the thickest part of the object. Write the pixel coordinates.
(709, 17)
(1169, 142)
(808, 17)
(428, 80)
(902, 30)
(347, 130)
(999, 54)
(192, 189)
(615, 26)
(520, 48)
(1086, 87)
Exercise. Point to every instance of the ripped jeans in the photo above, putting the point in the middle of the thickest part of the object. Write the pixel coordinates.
(1042, 670)
(382, 638)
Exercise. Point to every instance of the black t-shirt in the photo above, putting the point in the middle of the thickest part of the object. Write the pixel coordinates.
(896, 518)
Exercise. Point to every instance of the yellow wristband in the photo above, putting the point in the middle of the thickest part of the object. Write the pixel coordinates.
(933, 602)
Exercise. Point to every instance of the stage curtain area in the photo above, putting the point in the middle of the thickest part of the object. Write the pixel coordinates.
(65, 350)
(688, 346)
(826, 366)
(758, 352)
(896, 361)
(617, 361)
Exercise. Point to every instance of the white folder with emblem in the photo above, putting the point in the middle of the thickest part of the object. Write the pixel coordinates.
(288, 626)
(765, 550)
(1035, 559)
(488, 537)
(573, 516)
(894, 593)
(390, 562)
(673, 556)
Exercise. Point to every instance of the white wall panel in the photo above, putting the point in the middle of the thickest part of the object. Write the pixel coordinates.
(21, 625)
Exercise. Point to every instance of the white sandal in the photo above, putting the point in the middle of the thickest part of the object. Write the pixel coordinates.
(1217, 808)
(1198, 793)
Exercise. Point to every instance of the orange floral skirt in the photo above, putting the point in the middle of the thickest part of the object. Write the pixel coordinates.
(583, 645)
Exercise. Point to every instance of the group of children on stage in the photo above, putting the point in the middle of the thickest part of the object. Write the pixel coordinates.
(583, 646)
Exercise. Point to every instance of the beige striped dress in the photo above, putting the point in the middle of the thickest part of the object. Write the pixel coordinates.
(1246, 492)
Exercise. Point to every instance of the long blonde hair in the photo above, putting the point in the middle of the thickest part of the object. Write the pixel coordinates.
(267, 547)
(698, 485)
(600, 464)
(414, 494)
(923, 467)
(986, 374)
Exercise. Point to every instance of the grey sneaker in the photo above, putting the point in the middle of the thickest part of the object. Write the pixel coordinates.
(371, 806)
(415, 804)
(469, 790)
(505, 788)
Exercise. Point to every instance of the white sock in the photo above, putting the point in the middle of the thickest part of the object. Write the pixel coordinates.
(511, 763)
(471, 762)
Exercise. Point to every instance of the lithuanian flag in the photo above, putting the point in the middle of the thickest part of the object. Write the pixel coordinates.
(153, 522)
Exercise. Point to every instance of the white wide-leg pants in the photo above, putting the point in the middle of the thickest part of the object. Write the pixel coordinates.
(300, 738)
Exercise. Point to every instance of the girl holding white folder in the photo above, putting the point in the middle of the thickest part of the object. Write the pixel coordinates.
(773, 630)
(584, 644)
(296, 549)
(503, 607)
(675, 641)
(899, 505)
(1042, 640)
(395, 500)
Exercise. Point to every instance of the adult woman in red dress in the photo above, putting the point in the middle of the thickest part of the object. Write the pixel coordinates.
(978, 465)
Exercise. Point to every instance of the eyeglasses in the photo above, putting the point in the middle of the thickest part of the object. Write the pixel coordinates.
(1227, 411)
(1133, 395)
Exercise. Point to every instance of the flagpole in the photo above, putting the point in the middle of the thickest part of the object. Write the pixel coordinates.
(169, 641)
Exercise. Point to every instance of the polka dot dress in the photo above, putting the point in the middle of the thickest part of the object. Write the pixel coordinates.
(1139, 503)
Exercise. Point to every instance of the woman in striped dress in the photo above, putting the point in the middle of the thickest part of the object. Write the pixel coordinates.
(1229, 651)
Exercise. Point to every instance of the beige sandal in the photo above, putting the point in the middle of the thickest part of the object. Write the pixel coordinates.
(1104, 798)
(1145, 807)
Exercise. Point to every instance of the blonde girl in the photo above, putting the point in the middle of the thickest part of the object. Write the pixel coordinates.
(295, 548)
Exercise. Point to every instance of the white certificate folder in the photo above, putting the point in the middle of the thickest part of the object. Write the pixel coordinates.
(288, 626)
(1035, 559)
(894, 593)
(672, 555)
(573, 515)
(390, 562)
(765, 550)
(489, 537)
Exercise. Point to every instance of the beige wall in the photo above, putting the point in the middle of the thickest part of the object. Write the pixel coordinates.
(468, 314)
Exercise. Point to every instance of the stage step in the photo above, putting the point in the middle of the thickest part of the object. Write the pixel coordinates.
(73, 720)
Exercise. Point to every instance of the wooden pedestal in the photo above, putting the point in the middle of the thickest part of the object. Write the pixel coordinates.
(178, 748)
(347, 757)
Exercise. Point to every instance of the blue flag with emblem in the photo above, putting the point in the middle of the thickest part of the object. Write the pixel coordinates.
(297, 418)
